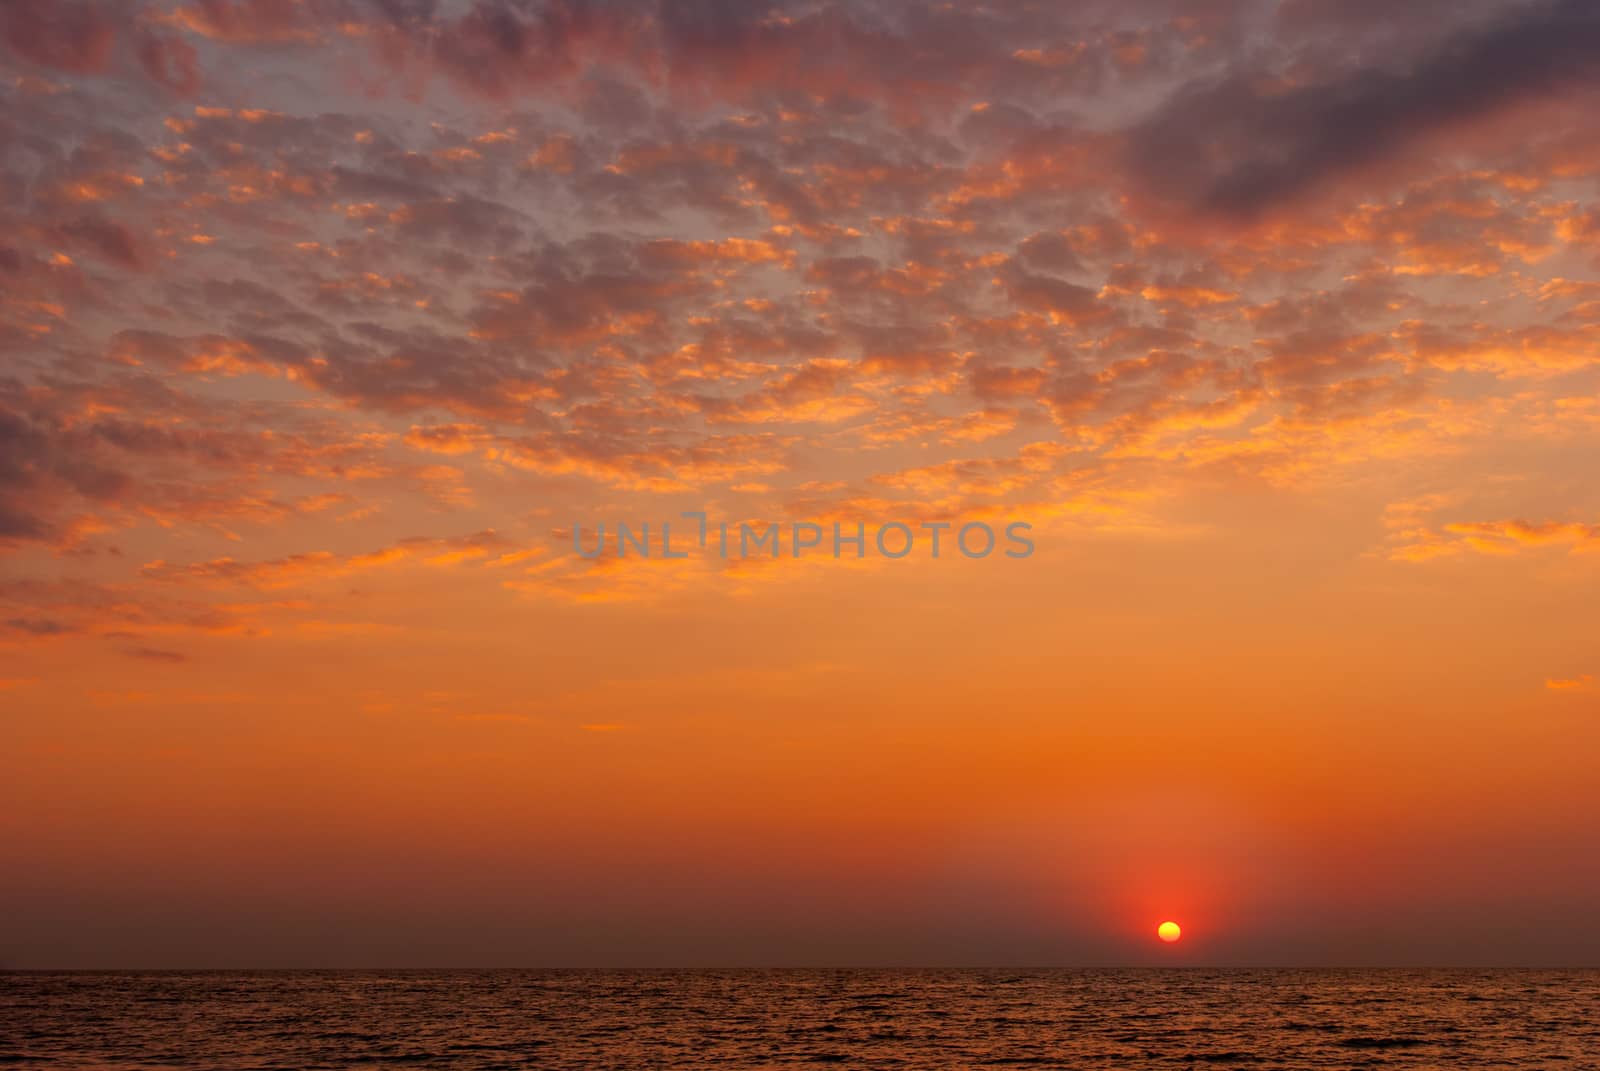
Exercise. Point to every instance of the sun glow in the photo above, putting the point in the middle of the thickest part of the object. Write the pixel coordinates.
(1169, 932)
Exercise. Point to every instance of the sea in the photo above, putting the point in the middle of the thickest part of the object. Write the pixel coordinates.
(619, 1020)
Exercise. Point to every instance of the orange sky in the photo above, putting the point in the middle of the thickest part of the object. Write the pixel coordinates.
(322, 323)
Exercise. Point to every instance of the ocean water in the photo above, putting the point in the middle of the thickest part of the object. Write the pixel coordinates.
(625, 1020)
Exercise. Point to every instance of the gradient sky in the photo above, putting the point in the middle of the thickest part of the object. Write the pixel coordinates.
(322, 322)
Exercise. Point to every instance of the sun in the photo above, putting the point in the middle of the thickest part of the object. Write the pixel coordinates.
(1169, 932)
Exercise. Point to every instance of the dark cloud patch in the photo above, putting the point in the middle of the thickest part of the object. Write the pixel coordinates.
(354, 184)
(100, 37)
(171, 62)
(611, 104)
(78, 459)
(1050, 252)
(992, 382)
(108, 239)
(77, 37)
(402, 12)
(1066, 301)
(38, 626)
(464, 220)
(496, 45)
(910, 55)
(19, 525)
(1233, 148)
(36, 466)
(258, 22)
(156, 654)
(406, 370)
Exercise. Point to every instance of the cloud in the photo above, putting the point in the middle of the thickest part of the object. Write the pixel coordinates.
(847, 255)
(66, 609)
(1575, 684)
(39, 469)
(1243, 144)
(69, 35)
(156, 654)
(250, 21)
(1501, 538)
(311, 566)
(37, 626)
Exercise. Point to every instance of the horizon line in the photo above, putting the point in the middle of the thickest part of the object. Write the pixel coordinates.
(810, 967)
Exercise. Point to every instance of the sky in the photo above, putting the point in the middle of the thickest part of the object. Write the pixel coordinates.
(327, 325)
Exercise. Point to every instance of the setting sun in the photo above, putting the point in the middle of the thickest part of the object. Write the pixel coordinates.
(1169, 932)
